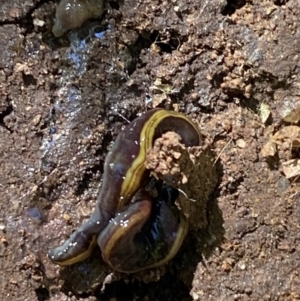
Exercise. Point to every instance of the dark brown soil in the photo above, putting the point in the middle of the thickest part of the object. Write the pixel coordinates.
(63, 101)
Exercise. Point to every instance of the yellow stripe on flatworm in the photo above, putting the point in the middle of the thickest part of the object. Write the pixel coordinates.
(134, 174)
(80, 257)
(135, 219)
(180, 236)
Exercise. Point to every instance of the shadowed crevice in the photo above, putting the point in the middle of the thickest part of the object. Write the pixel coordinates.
(7, 111)
(232, 6)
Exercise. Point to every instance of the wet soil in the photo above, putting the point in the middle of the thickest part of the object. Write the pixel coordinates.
(64, 100)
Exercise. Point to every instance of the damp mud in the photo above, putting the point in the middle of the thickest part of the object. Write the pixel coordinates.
(231, 66)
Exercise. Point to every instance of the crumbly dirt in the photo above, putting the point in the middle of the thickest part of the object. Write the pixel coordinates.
(192, 171)
(63, 101)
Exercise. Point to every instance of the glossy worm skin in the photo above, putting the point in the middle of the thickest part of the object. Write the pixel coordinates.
(146, 235)
(124, 174)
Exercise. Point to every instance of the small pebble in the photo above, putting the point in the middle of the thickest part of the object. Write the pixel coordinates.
(35, 214)
(67, 217)
(241, 143)
(282, 184)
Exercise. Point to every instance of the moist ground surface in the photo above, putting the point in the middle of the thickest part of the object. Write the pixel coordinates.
(232, 66)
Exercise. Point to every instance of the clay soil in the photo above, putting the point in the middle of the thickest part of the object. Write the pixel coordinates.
(230, 65)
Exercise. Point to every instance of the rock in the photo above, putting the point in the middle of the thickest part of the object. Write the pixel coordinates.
(73, 13)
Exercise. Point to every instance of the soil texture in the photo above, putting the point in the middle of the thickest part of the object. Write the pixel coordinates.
(231, 66)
